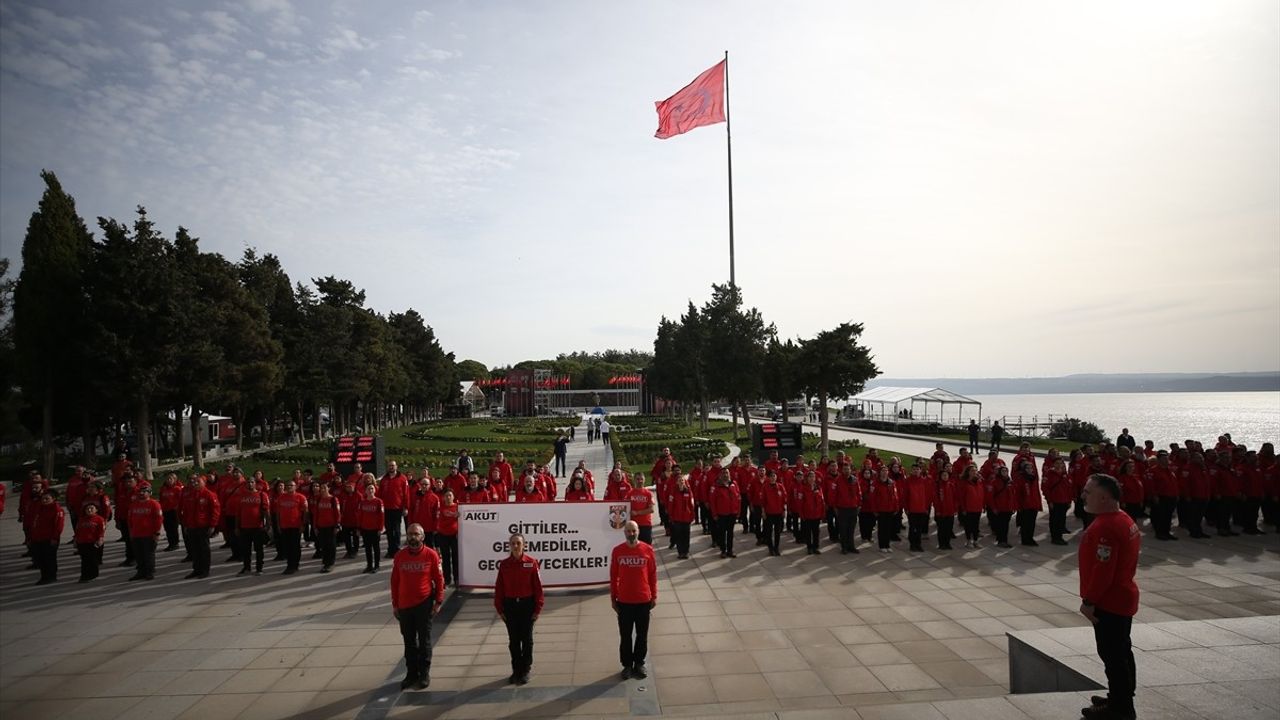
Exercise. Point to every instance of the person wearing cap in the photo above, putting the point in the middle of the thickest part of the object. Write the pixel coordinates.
(633, 589)
(1108, 560)
(45, 522)
(518, 598)
(146, 520)
(199, 512)
(417, 594)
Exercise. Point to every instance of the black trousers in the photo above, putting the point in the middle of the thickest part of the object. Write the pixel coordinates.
(1027, 525)
(255, 540)
(705, 518)
(1162, 515)
(743, 505)
(633, 630)
(517, 613)
(291, 542)
(1112, 635)
(447, 545)
(832, 533)
(886, 525)
(809, 532)
(868, 520)
(1000, 526)
(970, 521)
(1222, 515)
(394, 521)
(560, 465)
(646, 534)
(327, 540)
(773, 532)
(415, 628)
(680, 536)
(756, 518)
(197, 540)
(946, 523)
(90, 558)
(1247, 514)
(1058, 520)
(130, 554)
(1192, 518)
(351, 539)
(144, 551)
(171, 528)
(45, 556)
(847, 522)
(917, 528)
(973, 445)
(372, 548)
(724, 532)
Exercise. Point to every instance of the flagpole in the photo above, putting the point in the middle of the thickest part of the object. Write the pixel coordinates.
(728, 139)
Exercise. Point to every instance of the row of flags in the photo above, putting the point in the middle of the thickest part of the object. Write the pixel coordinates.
(557, 381)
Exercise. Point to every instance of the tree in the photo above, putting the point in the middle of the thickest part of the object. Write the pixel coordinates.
(11, 429)
(833, 364)
(780, 379)
(679, 370)
(472, 370)
(49, 307)
(736, 342)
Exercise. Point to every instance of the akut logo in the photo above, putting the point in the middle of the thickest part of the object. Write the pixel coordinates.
(480, 516)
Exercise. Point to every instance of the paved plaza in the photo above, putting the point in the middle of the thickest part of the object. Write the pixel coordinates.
(869, 636)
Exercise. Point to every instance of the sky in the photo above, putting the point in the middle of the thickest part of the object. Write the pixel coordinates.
(992, 188)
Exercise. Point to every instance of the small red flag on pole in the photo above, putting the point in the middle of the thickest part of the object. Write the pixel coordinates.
(699, 103)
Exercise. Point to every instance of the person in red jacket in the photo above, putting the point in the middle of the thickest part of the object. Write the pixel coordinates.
(517, 596)
(146, 520)
(1195, 491)
(917, 499)
(812, 508)
(170, 496)
(972, 499)
(887, 503)
(76, 486)
(45, 522)
(1026, 486)
(393, 490)
(291, 513)
(505, 473)
(1162, 484)
(578, 490)
(1057, 492)
(633, 590)
(447, 537)
(3, 490)
(642, 507)
(773, 501)
(473, 493)
(91, 533)
(370, 521)
(349, 497)
(326, 518)
(847, 500)
(725, 503)
(252, 507)
(424, 507)
(417, 594)
(680, 505)
(1108, 594)
(199, 513)
(528, 491)
(1002, 498)
(945, 506)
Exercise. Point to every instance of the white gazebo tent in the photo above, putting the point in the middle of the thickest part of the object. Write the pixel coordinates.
(899, 397)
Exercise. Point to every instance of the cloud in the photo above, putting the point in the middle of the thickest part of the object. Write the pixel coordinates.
(255, 55)
(43, 69)
(221, 21)
(347, 40)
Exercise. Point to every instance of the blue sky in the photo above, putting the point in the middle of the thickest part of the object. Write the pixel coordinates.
(994, 188)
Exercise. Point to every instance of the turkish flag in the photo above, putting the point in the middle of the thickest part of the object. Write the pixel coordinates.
(699, 103)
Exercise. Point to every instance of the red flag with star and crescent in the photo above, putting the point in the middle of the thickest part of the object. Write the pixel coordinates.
(699, 103)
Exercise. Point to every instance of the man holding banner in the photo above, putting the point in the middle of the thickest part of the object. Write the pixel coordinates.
(633, 585)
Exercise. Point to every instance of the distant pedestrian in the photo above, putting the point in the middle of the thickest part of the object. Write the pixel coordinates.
(973, 436)
(997, 435)
(1109, 596)
(633, 586)
(604, 432)
(560, 449)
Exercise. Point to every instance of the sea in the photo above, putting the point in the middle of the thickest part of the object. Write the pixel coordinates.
(1252, 418)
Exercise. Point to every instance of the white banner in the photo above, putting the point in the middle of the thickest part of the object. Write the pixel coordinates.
(572, 540)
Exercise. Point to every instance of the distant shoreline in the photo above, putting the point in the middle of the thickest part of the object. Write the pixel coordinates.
(1096, 384)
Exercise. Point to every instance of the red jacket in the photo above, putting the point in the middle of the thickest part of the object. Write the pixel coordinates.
(1196, 484)
(45, 523)
(1057, 487)
(326, 512)
(252, 508)
(416, 575)
(479, 495)
(773, 498)
(518, 578)
(972, 495)
(447, 520)
(1027, 488)
(1108, 560)
(290, 509)
(1003, 496)
(423, 509)
(1163, 481)
(810, 503)
(393, 490)
(945, 500)
(75, 492)
(1131, 492)
(170, 496)
(917, 494)
(530, 497)
(725, 500)
(350, 507)
(91, 529)
(680, 505)
(583, 495)
(102, 502)
(633, 574)
(369, 514)
(848, 493)
(884, 497)
(617, 490)
(146, 518)
(200, 509)
(640, 499)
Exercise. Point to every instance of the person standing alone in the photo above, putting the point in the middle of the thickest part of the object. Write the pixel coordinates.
(517, 595)
(633, 585)
(417, 594)
(1108, 557)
